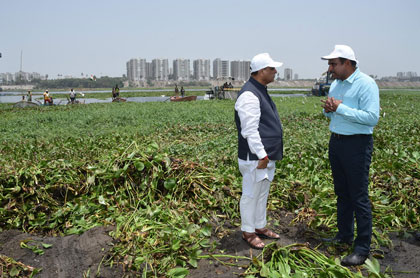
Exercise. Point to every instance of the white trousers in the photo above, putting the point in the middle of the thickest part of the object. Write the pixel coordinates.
(255, 189)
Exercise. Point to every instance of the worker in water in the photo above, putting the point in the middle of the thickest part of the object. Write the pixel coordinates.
(182, 91)
(176, 90)
(72, 95)
(117, 91)
(113, 93)
(29, 96)
(47, 98)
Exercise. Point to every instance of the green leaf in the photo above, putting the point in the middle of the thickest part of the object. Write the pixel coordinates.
(154, 146)
(206, 231)
(178, 272)
(46, 245)
(265, 271)
(170, 183)
(373, 267)
(14, 271)
(193, 262)
(139, 165)
(138, 261)
(176, 245)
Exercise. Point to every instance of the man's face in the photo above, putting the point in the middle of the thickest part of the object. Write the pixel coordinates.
(337, 69)
(269, 74)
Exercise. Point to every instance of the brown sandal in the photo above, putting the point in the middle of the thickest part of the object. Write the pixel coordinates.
(266, 233)
(253, 240)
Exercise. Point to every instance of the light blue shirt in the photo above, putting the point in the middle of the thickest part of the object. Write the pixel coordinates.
(359, 111)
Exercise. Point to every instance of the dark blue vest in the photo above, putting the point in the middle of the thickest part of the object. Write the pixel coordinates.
(270, 129)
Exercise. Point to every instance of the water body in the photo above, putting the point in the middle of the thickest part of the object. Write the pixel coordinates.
(14, 93)
(14, 99)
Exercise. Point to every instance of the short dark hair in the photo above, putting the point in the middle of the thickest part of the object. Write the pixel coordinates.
(254, 73)
(343, 60)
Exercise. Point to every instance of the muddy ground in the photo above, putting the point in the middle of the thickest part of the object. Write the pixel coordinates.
(84, 255)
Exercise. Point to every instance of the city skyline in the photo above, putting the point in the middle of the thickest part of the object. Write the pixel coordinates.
(99, 38)
(139, 70)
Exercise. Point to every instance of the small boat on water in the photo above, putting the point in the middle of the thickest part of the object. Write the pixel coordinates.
(75, 102)
(118, 99)
(188, 98)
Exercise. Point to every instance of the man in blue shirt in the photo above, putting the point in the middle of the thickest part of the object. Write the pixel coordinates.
(353, 108)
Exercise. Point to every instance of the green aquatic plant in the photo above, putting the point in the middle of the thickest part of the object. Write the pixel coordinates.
(165, 174)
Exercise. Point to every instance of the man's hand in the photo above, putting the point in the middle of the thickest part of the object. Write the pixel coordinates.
(330, 104)
(262, 163)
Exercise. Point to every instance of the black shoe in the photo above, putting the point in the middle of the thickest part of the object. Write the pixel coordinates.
(336, 240)
(353, 259)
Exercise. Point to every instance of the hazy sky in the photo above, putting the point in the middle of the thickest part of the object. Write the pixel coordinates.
(99, 37)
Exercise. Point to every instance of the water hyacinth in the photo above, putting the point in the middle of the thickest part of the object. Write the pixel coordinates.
(165, 176)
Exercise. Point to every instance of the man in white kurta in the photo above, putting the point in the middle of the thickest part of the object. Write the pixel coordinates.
(260, 145)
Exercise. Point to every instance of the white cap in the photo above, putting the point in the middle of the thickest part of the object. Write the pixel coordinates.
(341, 51)
(263, 60)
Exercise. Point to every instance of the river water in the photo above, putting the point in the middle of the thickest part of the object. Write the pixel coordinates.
(13, 97)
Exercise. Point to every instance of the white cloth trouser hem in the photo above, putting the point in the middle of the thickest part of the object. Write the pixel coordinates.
(255, 189)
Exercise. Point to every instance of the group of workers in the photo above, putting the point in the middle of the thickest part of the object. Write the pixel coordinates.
(48, 99)
(115, 92)
(227, 85)
(28, 96)
(177, 91)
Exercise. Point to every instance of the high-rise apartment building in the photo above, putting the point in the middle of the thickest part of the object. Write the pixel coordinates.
(201, 68)
(406, 75)
(149, 70)
(140, 70)
(288, 74)
(160, 69)
(240, 70)
(136, 70)
(181, 69)
(132, 69)
(220, 68)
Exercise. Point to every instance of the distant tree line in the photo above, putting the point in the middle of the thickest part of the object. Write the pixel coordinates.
(103, 82)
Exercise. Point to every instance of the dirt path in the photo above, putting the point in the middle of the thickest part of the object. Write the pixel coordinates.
(79, 255)
(68, 257)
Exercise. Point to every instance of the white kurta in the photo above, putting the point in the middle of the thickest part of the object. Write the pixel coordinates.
(255, 182)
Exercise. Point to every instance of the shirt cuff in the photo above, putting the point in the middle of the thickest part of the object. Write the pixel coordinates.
(341, 109)
(261, 154)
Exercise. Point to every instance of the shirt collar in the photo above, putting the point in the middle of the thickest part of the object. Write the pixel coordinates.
(258, 84)
(351, 78)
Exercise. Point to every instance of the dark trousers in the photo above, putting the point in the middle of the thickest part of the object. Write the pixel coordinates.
(350, 158)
